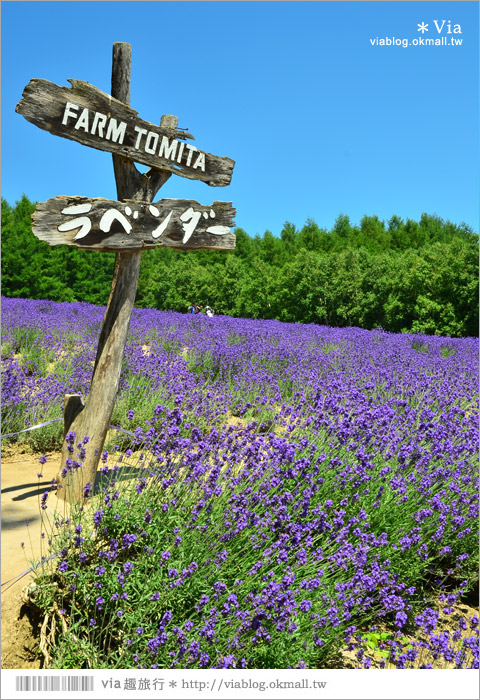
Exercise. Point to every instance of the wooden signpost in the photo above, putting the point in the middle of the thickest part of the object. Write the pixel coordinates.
(87, 115)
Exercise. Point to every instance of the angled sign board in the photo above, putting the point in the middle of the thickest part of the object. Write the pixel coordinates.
(85, 114)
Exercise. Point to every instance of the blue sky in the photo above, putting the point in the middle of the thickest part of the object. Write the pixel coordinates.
(319, 120)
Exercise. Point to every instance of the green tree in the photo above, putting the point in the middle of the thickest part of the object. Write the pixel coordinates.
(270, 250)
(288, 236)
(373, 235)
(398, 233)
(405, 276)
(313, 238)
(342, 231)
(243, 244)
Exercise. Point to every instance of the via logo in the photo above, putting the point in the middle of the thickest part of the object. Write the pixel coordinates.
(441, 24)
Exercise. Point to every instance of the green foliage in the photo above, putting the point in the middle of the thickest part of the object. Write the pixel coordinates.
(33, 269)
(404, 276)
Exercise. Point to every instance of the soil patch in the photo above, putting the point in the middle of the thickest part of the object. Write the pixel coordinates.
(22, 489)
(24, 480)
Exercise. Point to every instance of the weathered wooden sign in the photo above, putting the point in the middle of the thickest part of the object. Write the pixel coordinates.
(85, 114)
(105, 225)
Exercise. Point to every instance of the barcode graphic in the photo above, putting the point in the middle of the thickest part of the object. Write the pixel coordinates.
(52, 683)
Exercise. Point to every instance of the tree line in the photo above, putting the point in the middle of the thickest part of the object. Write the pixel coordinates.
(404, 276)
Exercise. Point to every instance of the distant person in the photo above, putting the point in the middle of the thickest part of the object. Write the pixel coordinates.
(191, 309)
(198, 308)
(209, 311)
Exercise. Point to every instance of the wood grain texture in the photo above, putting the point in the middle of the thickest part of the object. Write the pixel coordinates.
(145, 219)
(45, 104)
(72, 406)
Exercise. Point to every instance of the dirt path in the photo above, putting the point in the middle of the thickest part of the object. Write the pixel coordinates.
(21, 492)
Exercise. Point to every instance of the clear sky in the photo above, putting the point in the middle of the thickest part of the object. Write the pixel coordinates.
(320, 118)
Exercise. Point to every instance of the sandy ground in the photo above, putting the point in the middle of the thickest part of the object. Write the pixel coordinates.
(21, 492)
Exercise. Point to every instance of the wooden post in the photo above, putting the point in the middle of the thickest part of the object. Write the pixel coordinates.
(93, 419)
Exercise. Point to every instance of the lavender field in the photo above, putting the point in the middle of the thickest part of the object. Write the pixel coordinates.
(286, 496)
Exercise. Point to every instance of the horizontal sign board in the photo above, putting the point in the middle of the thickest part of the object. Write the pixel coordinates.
(102, 224)
(85, 114)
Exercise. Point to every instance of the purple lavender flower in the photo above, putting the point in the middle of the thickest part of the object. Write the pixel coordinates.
(305, 605)
(127, 567)
(128, 540)
(97, 518)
